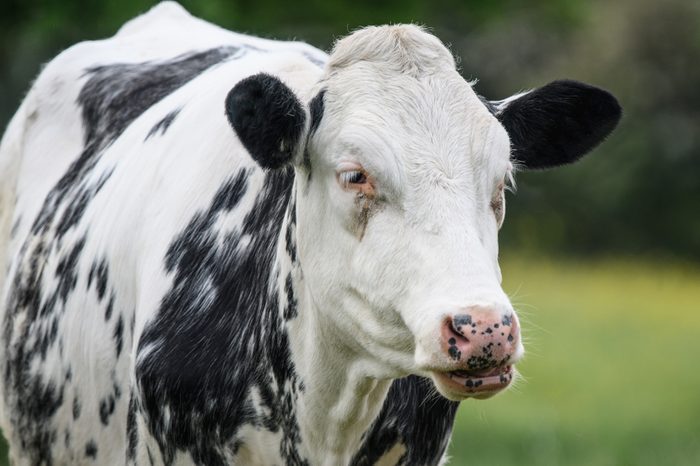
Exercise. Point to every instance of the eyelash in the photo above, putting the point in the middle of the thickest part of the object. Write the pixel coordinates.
(352, 177)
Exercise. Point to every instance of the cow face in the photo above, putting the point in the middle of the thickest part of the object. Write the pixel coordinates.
(401, 171)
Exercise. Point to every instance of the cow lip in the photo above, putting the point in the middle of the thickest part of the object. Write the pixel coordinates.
(473, 383)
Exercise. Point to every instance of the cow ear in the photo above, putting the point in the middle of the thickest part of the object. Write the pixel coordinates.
(268, 119)
(558, 123)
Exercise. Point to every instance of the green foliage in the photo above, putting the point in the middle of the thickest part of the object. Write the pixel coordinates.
(635, 195)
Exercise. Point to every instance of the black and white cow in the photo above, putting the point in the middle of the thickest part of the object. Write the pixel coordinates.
(219, 249)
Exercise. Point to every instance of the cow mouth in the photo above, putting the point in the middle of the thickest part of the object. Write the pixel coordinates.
(476, 384)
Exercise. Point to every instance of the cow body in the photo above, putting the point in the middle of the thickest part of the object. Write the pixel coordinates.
(180, 292)
(136, 250)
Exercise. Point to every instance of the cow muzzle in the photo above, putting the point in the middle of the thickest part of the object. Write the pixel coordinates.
(480, 345)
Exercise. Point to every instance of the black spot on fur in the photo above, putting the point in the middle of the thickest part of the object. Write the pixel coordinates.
(108, 403)
(100, 271)
(131, 429)
(110, 307)
(187, 248)
(163, 125)
(119, 335)
(290, 235)
(66, 272)
(413, 416)
(316, 110)
(116, 389)
(91, 449)
(111, 99)
(222, 315)
(290, 310)
(316, 107)
(117, 94)
(268, 119)
(106, 409)
(31, 400)
(76, 408)
(559, 123)
(76, 208)
(42, 402)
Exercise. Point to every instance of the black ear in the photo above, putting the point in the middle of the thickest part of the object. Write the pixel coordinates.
(268, 119)
(557, 123)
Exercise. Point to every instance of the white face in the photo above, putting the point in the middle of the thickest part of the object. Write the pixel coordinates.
(398, 227)
(399, 191)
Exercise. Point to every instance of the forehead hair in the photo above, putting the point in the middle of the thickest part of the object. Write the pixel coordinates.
(406, 49)
(396, 91)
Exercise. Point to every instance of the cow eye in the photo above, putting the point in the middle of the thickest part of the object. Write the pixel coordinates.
(352, 177)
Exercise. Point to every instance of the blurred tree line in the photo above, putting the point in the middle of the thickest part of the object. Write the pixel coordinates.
(638, 194)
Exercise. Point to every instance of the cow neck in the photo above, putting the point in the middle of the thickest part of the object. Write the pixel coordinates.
(338, 397)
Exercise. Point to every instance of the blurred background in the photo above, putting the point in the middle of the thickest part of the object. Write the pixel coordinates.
(602, 259)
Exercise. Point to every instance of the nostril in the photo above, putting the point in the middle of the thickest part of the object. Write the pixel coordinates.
(461, 324)
(454, 340)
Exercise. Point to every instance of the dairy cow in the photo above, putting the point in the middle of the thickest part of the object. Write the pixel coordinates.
(219, 249)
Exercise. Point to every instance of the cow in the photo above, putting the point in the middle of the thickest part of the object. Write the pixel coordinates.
(220, 249)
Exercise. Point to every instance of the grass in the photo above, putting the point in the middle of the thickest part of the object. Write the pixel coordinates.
(610, 377)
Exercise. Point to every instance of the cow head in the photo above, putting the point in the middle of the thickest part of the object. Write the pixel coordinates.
(400, 176)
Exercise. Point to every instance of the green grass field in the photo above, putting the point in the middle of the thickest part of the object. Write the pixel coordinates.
(610, 376)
